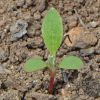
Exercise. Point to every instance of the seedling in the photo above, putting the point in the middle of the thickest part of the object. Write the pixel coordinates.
(52, 33)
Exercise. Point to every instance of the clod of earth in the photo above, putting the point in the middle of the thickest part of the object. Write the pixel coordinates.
(80, 38)
(1, 69)
(18, 30)
(39, 96)
(10, 95)
(93, 24)
(4, 53)
(91, 87)
(87, 52)
(42, 5)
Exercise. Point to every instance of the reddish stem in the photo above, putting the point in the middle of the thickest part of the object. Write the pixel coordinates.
(51, 85)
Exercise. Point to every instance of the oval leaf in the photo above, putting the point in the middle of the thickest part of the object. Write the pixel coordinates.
(71, 62)
(34, 64)
(52, 30)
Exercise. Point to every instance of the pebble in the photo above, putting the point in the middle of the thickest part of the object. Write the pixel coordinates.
(29, 2)
(33, 44)
(81, 1)
(2, 11)
(42, 5)
(27, 17)
(31, 31)
(93, 24)
(18, 30)
(97, 58)
(2, 22)
(9, 83)
(46, 55)
(72, 21)
(81, 92)
(91, 86)
(1, 69)
(4, 54)
(20, 3)
(0, 83)
(82, 97)
(10, 95)
(65, 77)
(87, 52)
(37, 25)
(37, 15)
(61, 52)
(98, 47)
(37, 33)
(39, 96)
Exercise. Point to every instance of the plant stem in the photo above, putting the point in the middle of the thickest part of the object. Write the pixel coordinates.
(51, 85)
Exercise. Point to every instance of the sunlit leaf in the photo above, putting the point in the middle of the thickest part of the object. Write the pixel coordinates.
(52, 30)
(71, 62)
(34, 64)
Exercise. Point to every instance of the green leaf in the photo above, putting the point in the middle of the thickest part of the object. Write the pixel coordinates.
(52, 30)
(71, 62)
(34, 64)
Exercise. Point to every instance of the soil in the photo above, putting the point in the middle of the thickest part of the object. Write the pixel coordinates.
(20, 39)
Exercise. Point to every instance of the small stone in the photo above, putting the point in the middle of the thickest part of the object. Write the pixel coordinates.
(87, 52)
(37, 33)
(31, 31)
(18, 30)
(46, 55)
(82, 97)
(35, 43)
(2, 69)
(2, 22)
(98, 47)
(72, 21)
(93, 24)
(4, 54)
(90, 86)
(37, 25)
(68, 7)
(12, 7)
(0, 83)
(10, 95)
(39, 96)
(97, 58)
(9, 83)
(81, 92)
(45, 85)
(20, 3)
(81, 1)
(60, 4)
(29, 2)
(42, 5)
(31, 45)
(2, 11)
(27, 17)
(37, 15)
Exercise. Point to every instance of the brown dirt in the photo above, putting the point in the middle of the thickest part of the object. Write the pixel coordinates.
(20, 39)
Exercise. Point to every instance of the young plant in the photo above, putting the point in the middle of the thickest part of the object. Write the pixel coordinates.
(52, 33)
